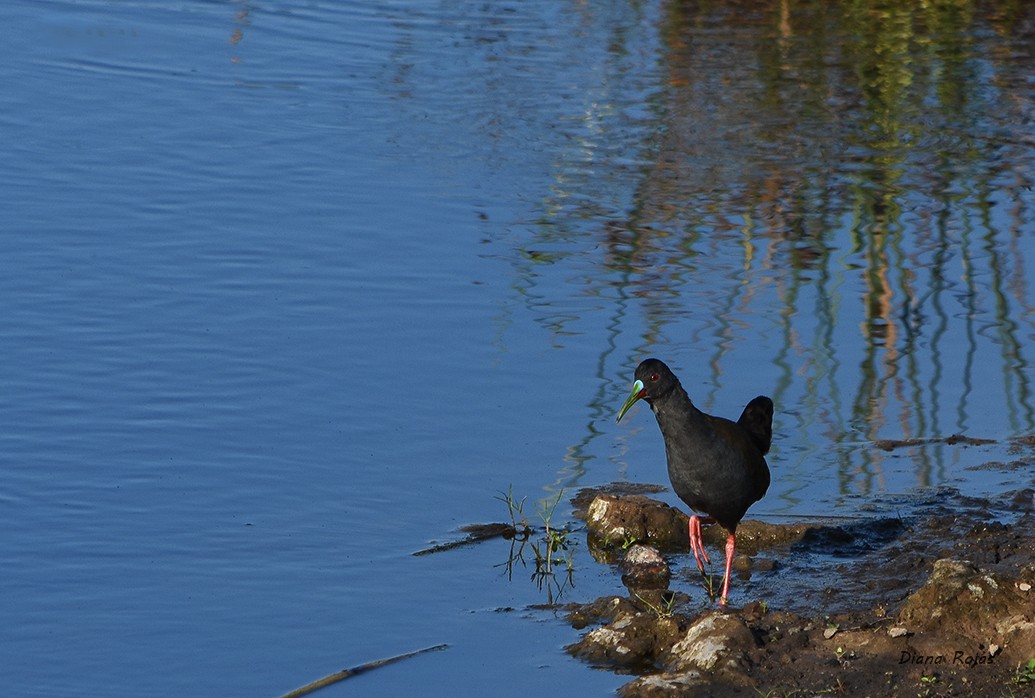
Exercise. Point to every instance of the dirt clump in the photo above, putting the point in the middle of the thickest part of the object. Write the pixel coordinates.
(939, 602)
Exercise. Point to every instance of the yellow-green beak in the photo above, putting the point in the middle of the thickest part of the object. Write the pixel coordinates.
(636, 394)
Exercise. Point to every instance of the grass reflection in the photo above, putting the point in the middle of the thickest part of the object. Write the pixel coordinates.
(845, 187)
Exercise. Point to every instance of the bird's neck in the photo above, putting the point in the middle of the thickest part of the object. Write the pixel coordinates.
(674, 407)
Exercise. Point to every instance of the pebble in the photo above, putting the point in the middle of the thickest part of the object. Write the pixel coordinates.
(643, 566)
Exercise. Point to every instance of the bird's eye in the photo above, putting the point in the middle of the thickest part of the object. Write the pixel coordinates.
(654, 377)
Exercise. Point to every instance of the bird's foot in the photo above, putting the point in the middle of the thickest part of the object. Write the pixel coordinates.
(696, 545)
(731, 548)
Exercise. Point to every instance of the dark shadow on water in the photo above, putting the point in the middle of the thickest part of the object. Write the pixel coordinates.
(850, 540)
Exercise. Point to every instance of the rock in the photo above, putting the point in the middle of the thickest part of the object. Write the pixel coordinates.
(585, 496)
(643, 567)
(604, 610)
(963, 604)
(629, 643)
(755, 564)
(753, 536)
(665, 685)
(709, 657)
(952, 590)
(973, 617)
(715, 641)
(614, 521)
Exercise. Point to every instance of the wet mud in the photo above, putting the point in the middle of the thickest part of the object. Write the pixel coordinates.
(932, 599)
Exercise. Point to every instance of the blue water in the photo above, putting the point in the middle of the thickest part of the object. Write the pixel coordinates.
(291, 292)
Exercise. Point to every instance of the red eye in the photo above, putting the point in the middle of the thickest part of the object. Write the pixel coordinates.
(654, 377)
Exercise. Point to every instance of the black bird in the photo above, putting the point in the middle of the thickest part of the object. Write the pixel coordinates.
(716, 466)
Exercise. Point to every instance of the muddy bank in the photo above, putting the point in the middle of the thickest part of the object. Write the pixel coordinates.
(935, 602)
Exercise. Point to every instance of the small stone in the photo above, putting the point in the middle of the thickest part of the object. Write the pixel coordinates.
(1024, 586)
(898, 631)
(643, 566)
(712, 642)
(830, 632)
(642, 555)
(763, 564)
(976, 590)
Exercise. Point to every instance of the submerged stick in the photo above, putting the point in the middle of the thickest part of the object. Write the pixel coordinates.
(346, 673)
(476, 533)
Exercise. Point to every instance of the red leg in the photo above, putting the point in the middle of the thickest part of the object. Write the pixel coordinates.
(731, 548)
(696, 546)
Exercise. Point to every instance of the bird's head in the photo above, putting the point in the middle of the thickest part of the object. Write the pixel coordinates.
(653, 380)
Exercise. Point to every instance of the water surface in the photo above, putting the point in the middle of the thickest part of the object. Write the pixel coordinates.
(291, 292)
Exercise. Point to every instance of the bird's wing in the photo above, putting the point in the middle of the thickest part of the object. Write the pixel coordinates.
(757, 421)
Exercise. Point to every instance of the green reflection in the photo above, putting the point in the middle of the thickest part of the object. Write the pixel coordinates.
(839, 190)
